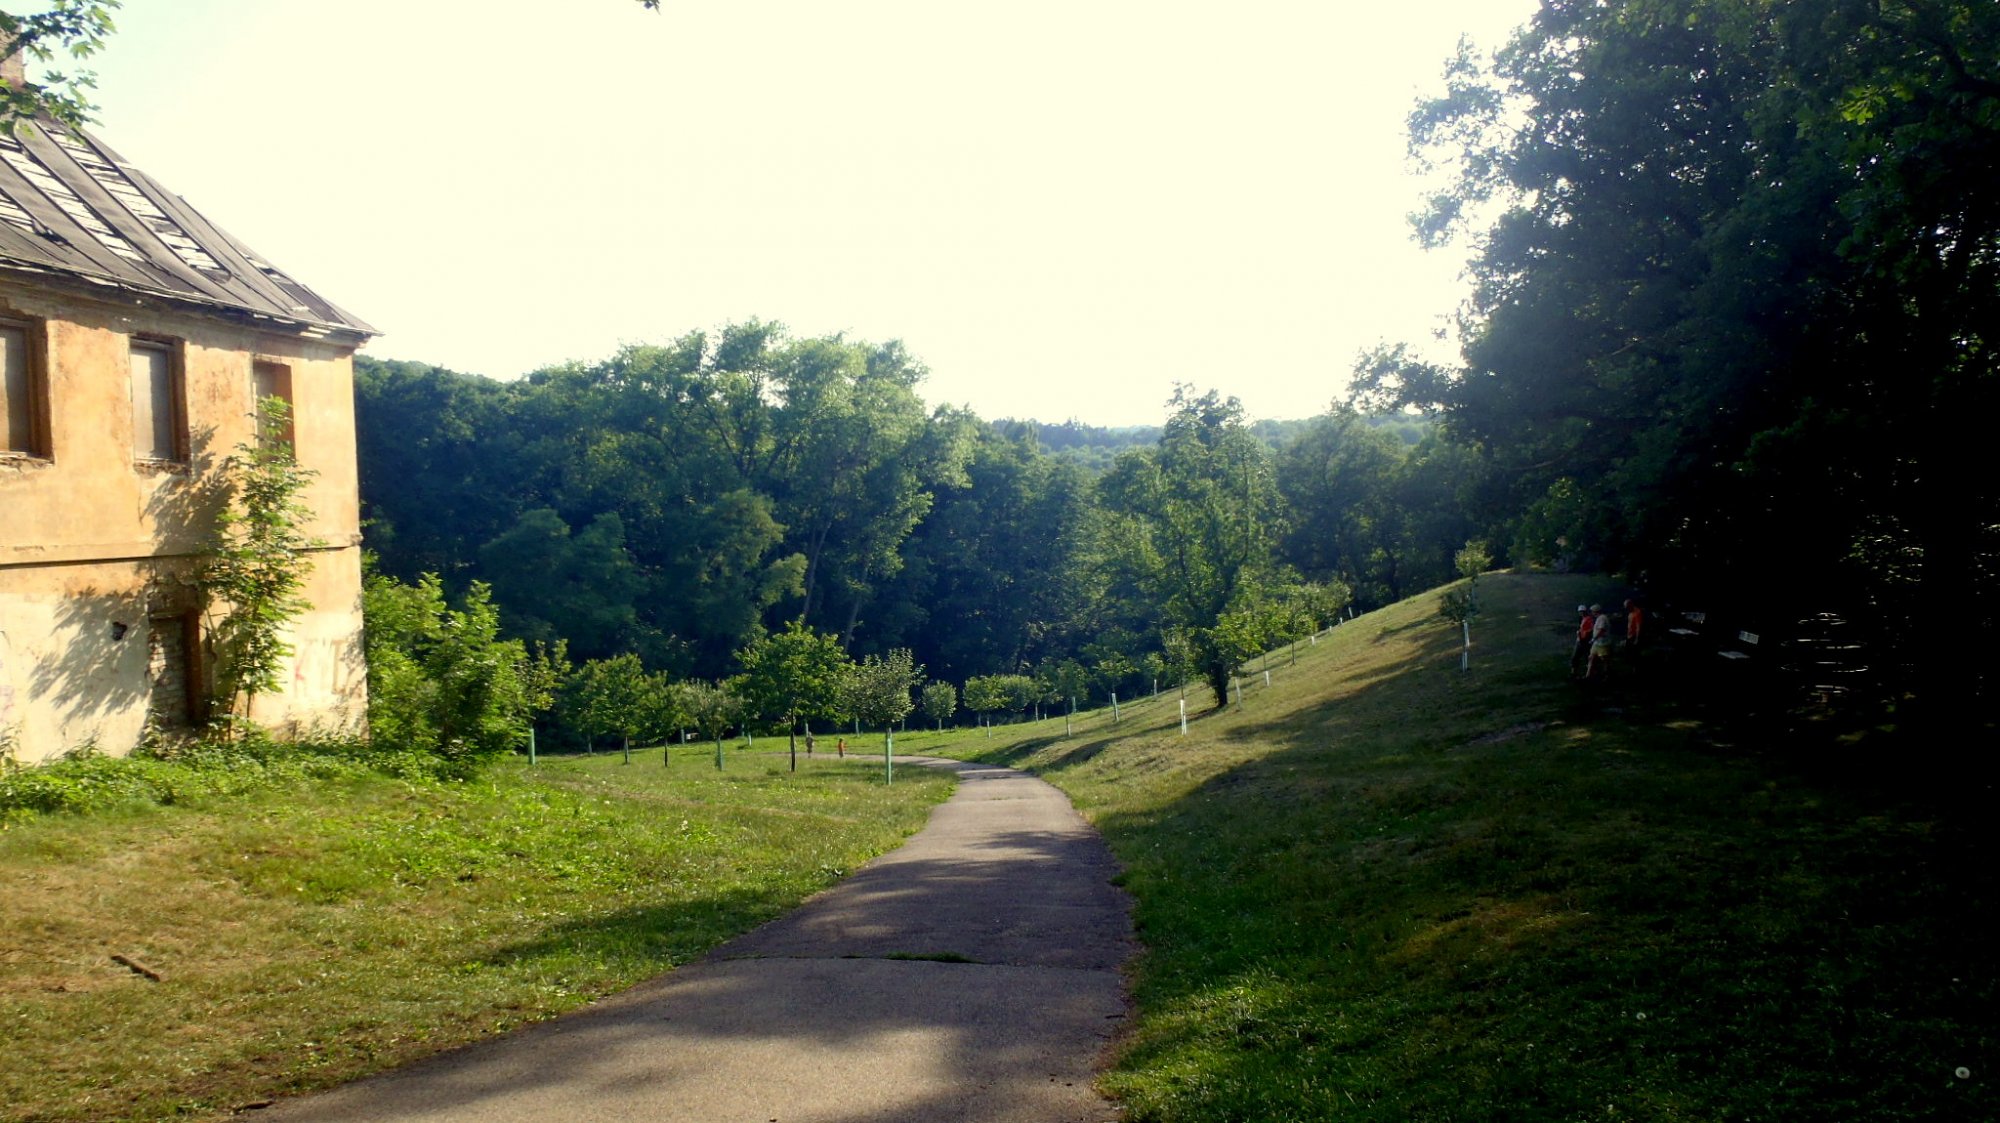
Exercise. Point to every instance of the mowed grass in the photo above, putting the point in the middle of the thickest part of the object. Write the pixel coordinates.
(309, 935)
(1386, 890)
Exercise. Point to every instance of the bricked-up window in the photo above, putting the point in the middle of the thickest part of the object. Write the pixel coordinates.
(23, 392)
(272, 380)
(173, 668)
(158, 417)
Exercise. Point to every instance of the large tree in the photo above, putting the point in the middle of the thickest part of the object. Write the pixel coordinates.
(580, 586)
(996, 575)
(1199, 512)
(1368, 509)
(442, 462)
(1739, 306)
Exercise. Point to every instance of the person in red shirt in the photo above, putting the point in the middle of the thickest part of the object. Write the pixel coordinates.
(1579, 658)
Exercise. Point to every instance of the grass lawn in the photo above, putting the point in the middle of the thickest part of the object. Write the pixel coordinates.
(1382, 889)
(306, 935)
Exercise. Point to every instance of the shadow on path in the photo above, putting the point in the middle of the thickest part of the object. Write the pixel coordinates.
(972, 974)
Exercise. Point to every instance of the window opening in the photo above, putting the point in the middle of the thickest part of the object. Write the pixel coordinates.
(156, 403)
(273, 380)
(21, 394)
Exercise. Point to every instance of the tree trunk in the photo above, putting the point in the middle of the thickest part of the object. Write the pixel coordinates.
(813, 553)
(1217, 672)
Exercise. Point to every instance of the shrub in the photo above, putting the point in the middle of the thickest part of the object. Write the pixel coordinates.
(166, 773)
(440, 680)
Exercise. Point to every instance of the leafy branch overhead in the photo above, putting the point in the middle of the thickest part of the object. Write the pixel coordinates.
(77, 29)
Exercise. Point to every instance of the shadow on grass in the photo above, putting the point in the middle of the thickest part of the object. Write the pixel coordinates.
(956, 950)
(1012, 754)
(1083, 753)
(1501, 895)
(664, 934)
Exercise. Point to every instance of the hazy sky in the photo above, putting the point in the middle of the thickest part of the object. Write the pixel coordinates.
(1061, 208)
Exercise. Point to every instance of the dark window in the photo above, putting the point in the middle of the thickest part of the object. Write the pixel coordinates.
(158, 416)
(23, 390)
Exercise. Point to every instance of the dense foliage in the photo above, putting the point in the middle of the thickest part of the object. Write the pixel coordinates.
(682, 503)
(1739, 306)
(440, 679)
(1736, 307)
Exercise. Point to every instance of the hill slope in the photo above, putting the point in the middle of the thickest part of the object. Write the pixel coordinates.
(1383, 889)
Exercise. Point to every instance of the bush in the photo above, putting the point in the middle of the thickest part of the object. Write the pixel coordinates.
(178, 772)
(82, 783)
(440, 680)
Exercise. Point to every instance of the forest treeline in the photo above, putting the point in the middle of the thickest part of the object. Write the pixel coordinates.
(1737, 275)
(678, 502)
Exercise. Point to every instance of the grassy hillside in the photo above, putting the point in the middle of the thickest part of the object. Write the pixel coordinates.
(1383, 889)
(305, 935)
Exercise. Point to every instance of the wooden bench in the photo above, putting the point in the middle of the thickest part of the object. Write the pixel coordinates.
(1691, 623)
(1745, 639)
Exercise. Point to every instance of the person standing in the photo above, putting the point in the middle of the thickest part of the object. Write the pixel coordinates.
(1579, 656)
(1600, 645)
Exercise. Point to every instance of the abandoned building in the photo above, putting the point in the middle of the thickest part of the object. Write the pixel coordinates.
(136, 339)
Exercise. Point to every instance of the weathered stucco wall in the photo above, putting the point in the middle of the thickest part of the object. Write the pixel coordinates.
(95, 544)
(73, 658)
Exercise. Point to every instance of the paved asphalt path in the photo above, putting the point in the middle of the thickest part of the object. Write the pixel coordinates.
(822, 1016)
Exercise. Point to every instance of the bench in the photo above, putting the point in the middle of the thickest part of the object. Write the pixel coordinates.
(1746, 639)
(1691, 623)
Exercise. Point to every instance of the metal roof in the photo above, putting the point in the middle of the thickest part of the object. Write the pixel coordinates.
(72, 207)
